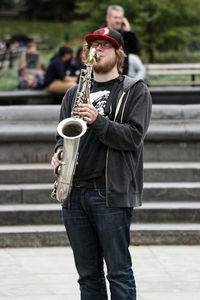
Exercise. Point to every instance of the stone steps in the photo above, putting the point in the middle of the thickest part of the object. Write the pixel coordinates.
(153, 191)
(153, 172)
(27, 133)
(171, 171)
(141, 234)
(152, 212)
(171, 191)
(154, 151)
(26, 173)
(26, 193)
(171, 210)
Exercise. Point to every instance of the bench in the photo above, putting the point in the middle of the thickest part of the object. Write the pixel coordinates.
(36, 37)
(191, 69)
(29, 97)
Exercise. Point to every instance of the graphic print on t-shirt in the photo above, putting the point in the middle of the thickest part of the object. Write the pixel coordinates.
(99, 100)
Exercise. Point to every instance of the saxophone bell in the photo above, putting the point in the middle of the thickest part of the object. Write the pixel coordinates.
(72, 128)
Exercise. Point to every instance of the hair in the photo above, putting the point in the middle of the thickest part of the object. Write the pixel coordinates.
(64, 50)
(119, 53)
(79, 51)
(120, 59)
(114, 7)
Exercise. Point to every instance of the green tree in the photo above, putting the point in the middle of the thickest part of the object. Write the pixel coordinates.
(167, 24)
(50, 10)
(160, 25)
(5, 4)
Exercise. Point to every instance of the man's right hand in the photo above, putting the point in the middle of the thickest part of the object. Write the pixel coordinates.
(126, 25)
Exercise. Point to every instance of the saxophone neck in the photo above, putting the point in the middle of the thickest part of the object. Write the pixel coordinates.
(83, 90)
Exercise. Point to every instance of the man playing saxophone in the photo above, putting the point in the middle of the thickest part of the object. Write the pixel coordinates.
(108, 179)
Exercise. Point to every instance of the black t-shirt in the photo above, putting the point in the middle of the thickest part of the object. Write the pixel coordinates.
(92, 153)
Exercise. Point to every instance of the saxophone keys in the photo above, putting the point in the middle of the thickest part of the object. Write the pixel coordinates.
(60, 154)
(57, 170)
(53, 194)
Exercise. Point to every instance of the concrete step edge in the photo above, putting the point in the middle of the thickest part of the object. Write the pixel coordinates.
(29, 166)
(30, 207)
(177, 185)
(134, 227)
(147, 165)
(57, 206)
(27, 186)
(172, 165)
(149, 185)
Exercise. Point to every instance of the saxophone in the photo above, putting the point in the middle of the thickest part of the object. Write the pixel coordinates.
(71, 129)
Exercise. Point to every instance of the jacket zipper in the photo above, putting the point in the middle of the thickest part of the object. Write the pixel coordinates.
(107, 154)
(106, 176)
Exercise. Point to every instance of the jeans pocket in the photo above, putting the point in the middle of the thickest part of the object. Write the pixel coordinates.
(102, 193)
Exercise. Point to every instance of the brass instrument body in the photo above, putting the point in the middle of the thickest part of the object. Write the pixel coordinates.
(71, 129)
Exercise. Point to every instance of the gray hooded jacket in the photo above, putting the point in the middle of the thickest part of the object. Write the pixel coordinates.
(124, 138)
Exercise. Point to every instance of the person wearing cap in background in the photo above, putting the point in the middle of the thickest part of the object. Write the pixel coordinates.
(108, 179)
(116, 20)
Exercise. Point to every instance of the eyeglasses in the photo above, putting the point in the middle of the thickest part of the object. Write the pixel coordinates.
(104, 45)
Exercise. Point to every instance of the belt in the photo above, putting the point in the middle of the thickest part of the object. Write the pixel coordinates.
(96, 183)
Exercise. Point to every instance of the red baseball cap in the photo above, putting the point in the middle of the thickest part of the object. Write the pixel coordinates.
(107, 34)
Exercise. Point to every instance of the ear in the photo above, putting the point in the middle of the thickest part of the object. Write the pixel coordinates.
(107, 19)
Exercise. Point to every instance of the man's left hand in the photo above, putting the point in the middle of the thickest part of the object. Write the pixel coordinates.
(88, 112)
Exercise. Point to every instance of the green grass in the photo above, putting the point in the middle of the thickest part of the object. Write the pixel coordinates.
(8, 80)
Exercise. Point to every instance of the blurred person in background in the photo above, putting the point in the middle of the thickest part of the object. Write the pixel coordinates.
(77, 63)
(31, 69)
(57, 78)
(21, 39)
(136, 68)
(116, 20)
(2, 44)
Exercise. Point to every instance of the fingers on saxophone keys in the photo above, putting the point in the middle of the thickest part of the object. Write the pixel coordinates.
(88, 120)
(83, 110)
(57, 170)
(85, 107)
(55, 161)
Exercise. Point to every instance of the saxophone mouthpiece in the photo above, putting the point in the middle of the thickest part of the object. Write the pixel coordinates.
(93, 56)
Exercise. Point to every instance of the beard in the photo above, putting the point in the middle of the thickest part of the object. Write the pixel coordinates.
(104, 67)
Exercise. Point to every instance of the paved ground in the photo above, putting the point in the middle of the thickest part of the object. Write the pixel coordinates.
(162, 273)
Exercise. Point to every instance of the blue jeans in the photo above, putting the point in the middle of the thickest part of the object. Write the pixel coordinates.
(98, 232)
